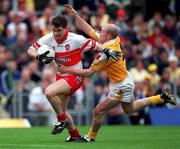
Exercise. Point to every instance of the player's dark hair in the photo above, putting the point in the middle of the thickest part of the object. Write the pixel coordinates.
(59, 21)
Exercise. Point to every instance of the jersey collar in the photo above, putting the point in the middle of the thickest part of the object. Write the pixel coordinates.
(63, 38)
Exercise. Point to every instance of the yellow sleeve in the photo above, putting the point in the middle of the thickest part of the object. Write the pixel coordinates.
(99, 62)
(94, 34)
(98, 66)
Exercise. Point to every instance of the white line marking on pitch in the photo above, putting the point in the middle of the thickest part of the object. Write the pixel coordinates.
(31, 145)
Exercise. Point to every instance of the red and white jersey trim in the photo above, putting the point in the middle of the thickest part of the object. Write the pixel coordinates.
(68, 52)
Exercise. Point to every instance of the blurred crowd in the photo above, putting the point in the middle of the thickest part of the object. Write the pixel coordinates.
(151, 47)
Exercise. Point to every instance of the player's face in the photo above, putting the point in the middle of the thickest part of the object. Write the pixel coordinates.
(58, 32)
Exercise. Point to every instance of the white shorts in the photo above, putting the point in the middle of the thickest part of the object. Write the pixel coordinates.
(122, 91)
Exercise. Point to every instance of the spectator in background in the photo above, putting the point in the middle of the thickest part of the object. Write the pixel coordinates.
(169, 28)
(154, 58)
(173, 69)
(170, 47)
(55, 7)
(157, 35)
(3, 113)
(9, 77)
(44, 20)
(3, 21)
(137, 56)
(130, 35)
(121, 20)
(22, 61)
(3, 59)
(38, 103)
(101, 79)
(157, 19)
(26, 79)
(35, 33)
(101, 17)
(155, 78)
(26, 5)
(35, 73)
(18, 47)
(163, 61)
(146, 48)
(138, 22)
(48, 73)
(177, 41)
(5, 7)
(15, 28)
(164, 83)
(139, 72)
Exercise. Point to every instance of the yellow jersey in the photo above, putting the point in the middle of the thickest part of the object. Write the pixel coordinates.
(116, 70)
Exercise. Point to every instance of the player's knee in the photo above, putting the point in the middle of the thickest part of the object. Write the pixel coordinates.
(48, 93)
(97, 112)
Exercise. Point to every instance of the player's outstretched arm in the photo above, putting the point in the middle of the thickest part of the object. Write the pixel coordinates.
(84, 26)
(77, 72)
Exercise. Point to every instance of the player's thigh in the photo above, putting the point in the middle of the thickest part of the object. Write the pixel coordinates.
(128, 106)
(60, 87)
(104, 106)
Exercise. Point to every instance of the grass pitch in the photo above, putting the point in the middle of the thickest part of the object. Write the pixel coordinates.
(110, 137)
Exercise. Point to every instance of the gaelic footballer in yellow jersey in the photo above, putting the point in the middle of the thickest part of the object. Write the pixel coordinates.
(110, 66)
(121, 87)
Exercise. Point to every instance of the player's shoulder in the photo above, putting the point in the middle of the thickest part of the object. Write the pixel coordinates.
(48, 36)
(76, 36)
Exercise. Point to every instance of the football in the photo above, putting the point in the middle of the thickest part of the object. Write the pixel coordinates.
(45, 48)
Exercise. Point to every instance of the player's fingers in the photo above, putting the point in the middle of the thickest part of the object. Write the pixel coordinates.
(116, 57)
(68, 7)
(45, 53)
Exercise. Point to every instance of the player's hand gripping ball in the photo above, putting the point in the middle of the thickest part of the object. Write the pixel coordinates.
(45, 54)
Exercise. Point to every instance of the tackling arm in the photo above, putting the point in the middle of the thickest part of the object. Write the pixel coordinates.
(83, 25)
(78, 72)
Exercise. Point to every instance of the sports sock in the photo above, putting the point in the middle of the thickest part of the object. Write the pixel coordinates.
(156, 99)
(61, 117)
(92, 134)
(74, 133)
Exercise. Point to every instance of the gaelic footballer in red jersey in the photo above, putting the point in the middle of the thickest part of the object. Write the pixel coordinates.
(68, 48)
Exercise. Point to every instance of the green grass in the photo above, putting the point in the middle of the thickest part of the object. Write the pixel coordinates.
(110, 137)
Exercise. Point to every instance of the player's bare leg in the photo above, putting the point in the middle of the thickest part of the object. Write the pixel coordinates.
(58, 95)
(98, 118)
(131, 107)
(73, 131)
(165, 97)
